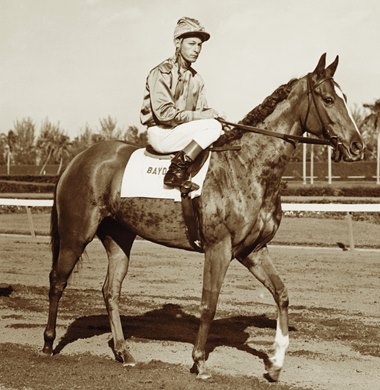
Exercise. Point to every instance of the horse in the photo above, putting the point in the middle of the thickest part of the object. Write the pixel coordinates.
(239, 209)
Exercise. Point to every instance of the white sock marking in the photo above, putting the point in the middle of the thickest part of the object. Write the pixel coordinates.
(281, 344)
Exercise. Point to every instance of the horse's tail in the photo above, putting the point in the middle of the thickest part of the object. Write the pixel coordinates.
(54, 233)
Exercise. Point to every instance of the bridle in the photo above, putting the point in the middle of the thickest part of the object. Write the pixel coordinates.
(330, 140)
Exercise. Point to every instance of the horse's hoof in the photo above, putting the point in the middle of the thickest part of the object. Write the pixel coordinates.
(129, 364)
(47, 350)
(44, 354)
(126, 358)
(273, 373)
(203, 376)
(199, 369)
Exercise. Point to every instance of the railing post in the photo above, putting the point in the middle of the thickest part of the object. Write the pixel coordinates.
(350, 231)
(312, 164)
(378, 160)
(304, 165)
(329, 169)
(30, 219)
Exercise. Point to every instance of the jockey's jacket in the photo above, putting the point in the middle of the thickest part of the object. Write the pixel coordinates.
(171, 97)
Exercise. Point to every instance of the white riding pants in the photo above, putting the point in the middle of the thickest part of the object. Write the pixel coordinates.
(203, 131)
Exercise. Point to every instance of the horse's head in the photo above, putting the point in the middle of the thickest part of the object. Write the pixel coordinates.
(326, 115)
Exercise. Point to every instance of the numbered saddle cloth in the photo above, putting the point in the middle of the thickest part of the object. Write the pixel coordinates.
(144, 178)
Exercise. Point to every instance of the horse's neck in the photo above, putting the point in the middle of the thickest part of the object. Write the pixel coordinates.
(263, 159)
(269, 148)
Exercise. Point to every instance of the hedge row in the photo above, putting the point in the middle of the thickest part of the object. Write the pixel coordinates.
(14, 187)
(45, 184)
(363, 191)
(30, 178)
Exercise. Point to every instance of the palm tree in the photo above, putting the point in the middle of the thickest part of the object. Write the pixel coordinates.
(46, 145)
(25, 152)
(371, 128)
(134, 136)
(52, 142)
(374, 117)
(9, 142)
(82, 141)
(108, 128)
(62, 149)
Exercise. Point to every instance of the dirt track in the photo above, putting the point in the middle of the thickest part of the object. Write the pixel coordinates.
(334, 321)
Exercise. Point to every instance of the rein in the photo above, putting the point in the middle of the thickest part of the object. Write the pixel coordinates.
(294, 139)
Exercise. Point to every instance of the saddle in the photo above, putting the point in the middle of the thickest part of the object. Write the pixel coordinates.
(189, 205)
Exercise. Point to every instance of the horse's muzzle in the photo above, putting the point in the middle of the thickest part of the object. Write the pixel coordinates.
(351, 153)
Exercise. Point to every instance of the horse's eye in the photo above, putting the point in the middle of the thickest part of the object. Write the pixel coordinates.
(328, 100)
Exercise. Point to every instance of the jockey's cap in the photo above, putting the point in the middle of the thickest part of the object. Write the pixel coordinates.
(187, 27)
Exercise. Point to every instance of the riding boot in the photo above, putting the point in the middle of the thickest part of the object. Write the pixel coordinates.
(177, 173)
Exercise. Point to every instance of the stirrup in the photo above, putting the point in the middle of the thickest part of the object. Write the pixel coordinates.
(188, 186)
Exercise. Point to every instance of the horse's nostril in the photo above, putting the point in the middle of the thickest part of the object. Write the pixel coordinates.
(356, 148)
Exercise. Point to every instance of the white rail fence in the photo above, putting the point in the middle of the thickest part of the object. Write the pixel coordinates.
(347, 208)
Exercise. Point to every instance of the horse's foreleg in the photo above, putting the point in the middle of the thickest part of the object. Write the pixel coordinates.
(216, 264)
(261, 267)
(118, 258)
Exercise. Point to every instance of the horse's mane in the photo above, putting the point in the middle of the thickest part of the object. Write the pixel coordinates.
(259, 113)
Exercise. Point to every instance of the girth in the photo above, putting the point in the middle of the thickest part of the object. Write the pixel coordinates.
(189, 205)
(190, 217)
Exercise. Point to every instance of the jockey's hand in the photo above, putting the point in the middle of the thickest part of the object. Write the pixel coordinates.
(210, 114)
(222, 115)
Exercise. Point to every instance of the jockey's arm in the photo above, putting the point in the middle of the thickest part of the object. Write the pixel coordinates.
(164, 108)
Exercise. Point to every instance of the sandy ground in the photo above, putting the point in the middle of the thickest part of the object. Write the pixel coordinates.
(334, 311)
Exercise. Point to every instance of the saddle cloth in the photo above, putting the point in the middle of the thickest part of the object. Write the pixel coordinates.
(144, 178)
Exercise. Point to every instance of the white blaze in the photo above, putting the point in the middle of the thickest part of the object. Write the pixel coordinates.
(340, 94)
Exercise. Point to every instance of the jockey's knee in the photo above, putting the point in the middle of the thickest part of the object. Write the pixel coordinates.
(211, 131)
(215, 126)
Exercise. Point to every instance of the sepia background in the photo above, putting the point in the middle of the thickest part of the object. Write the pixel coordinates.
(76, 61)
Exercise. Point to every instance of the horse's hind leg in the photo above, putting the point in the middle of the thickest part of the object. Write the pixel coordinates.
(117, 242)
(70, 233)
(69, 254)
(260, 265)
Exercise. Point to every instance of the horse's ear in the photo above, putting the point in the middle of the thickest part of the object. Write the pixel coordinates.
(330, 70)
(319, 70)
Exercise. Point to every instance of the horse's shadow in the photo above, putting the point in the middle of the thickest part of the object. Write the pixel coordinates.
(171, 323)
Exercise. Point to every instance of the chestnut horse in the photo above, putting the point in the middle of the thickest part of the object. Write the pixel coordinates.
(239, 209)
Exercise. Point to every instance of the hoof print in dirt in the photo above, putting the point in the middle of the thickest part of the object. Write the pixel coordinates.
(5, 290)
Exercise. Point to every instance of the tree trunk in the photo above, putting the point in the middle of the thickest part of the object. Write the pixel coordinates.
(60, 165)
(46, 162)
(8, 163)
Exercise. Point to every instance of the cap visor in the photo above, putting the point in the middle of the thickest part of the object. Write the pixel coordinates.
(203, 35)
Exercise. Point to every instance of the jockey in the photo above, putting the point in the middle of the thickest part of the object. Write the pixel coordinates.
(174, 107)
